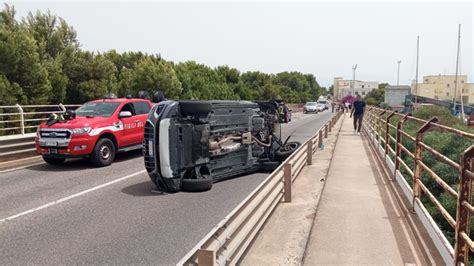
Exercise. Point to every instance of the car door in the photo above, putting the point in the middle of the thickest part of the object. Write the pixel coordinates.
(129, 125)
(141, 112)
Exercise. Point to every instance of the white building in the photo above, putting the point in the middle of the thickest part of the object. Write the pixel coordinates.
(344, 87)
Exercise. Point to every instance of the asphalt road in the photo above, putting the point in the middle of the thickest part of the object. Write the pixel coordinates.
(76, 213)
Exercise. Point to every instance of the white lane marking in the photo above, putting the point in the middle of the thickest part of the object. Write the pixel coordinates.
(20, 160)
(52, 203)
(19, 168)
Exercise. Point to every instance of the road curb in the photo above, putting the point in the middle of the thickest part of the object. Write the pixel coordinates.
(340, 122)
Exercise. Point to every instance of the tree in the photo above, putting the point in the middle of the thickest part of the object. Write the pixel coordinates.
(253, 83)
(376, 96)
(41, 63)
(20, 62)
(52, 34)
(10, 94)
(201, 82)
(331, 90)
(153, 76)
(91, 76)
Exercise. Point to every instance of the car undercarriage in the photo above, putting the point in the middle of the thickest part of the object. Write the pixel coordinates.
(189, 145)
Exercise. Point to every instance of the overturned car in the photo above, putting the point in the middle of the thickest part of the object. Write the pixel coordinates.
(188, 145)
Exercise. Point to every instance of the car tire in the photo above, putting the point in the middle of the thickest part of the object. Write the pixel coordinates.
(286, 150)
(54, 161)
(103, 153)
(197, 185)
(304, 112)
(193, 107)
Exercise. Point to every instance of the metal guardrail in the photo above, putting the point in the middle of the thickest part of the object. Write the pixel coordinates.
(17, 119)
(379, 127)
(226, 243)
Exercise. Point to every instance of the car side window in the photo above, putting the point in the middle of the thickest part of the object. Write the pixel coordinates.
(141, 108)
(128, 107)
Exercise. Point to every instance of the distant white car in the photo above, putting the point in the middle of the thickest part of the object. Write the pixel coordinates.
(320, 107)
(310, 107)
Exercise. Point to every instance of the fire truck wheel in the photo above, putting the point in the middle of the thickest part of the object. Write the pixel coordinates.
(104, 153)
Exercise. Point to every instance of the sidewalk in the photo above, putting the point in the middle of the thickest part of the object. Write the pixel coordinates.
(358, 220)
(283, 239)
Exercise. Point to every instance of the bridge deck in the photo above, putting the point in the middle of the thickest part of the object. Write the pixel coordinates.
(361, 218)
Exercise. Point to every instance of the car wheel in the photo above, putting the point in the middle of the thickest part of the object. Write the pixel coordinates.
(197, 185)
(193, 107)
(304, 112)
(104, 153)
(286, 150)
(54, 161)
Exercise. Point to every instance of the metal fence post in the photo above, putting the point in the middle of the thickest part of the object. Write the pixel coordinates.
(22, 119)
(326, 130)
(387, 131)
(463, 214)
(309, 155)
(287, 182)
(320, 140)
(418, 158)
(206, 257)
(398, 149)
(378, 127)
(62, 107)
(330, 126)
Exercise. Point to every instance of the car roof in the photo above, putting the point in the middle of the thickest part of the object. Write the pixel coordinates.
(120, 100)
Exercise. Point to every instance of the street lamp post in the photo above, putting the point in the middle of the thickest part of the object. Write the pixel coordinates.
(398, 72)
(354, 67)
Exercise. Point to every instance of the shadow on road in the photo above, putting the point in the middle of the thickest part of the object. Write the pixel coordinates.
(76, 164)
(143, 189)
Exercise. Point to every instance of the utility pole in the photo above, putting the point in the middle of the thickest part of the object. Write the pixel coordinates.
(456, 78)
(354, 67)
(416, 78)
(398, 72)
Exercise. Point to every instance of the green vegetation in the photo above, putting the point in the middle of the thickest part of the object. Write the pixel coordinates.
(450, 145)
(377, 96)
(41, 62)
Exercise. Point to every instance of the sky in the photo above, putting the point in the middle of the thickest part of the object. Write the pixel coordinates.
(322, 38)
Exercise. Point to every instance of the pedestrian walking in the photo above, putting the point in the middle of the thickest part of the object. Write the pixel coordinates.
(358, 109)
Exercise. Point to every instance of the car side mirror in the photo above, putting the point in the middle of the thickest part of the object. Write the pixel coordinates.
(125, 114)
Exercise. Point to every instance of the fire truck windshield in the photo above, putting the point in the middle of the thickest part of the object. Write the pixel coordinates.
(103, 109)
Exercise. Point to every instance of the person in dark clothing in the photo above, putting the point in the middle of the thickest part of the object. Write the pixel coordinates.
(358, 112)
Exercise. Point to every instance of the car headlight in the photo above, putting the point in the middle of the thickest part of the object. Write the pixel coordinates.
(81, 130)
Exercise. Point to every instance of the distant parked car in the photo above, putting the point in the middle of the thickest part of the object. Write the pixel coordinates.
(320, 107)
(310, 107)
